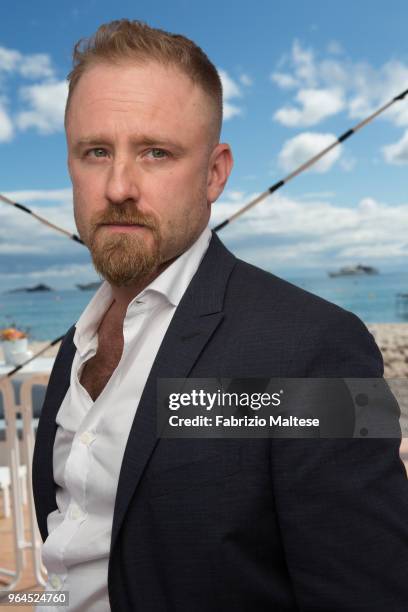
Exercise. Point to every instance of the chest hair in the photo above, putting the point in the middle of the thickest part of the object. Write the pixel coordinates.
(98, 370)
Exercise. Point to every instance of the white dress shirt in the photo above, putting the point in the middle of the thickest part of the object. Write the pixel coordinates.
(91, 435)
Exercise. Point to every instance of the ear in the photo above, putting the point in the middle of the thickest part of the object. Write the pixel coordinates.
(219, 169)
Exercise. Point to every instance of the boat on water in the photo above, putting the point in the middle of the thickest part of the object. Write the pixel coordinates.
(358, 270)
(36, 288)
(89, 286)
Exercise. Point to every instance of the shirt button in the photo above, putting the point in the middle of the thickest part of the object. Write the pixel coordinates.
(86, 438)
(75, 512)
(55, 581)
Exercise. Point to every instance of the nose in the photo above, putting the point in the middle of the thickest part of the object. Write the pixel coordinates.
(122, 182)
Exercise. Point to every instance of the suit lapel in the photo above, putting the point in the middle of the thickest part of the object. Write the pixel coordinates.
(43, 476)
(197, 316)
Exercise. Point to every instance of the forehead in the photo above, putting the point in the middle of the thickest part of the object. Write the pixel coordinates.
(143, 97)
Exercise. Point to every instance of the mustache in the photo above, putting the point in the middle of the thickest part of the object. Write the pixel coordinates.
(123, 216)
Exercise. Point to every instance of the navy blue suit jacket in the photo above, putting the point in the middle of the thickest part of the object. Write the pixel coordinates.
(249, 525)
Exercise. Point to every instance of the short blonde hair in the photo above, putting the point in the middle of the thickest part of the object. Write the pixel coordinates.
(123, 39)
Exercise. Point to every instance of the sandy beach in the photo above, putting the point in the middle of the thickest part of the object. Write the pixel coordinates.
(392, 340)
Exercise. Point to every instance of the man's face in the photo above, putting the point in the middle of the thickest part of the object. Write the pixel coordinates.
(144, 165)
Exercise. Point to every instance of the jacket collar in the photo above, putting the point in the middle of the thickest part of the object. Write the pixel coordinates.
(198, 314)
(42, 472)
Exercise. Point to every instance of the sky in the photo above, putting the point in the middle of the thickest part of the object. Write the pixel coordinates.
(295, 75)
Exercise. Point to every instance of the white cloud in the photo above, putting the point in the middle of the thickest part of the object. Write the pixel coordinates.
(284, 231)
(368, 205)
(61, 271)
(14, 224)
(6, 125)
(47, 104)
(280, 231)
(314, 106)
(38, 195)
(336, 73)
(397, 153)
(304, 62)
(229, 86)
(45, 100)
(18, 247)
(9, 59)
(36, 66)
(234, 196)
(246, 80)
(334, 47)
(31, 251)
(32, 66)
(361, 88)
(230, 110)
(297, 150)
(283, 80)
(230, 90)
(371, 88)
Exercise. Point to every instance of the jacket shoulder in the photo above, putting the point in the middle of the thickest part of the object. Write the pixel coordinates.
(325, 338)
(256, 285)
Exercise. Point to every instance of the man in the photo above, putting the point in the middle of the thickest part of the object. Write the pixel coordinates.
(135, 522)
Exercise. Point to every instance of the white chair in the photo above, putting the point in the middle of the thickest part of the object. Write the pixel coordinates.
(19, 475)
(26, 410)
(5, 482)
(5, 489)
(13, 459)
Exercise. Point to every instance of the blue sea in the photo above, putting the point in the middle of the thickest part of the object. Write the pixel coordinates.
(373, 298)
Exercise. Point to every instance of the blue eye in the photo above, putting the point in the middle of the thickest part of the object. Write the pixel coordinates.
(161, 153)
(97, 152)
